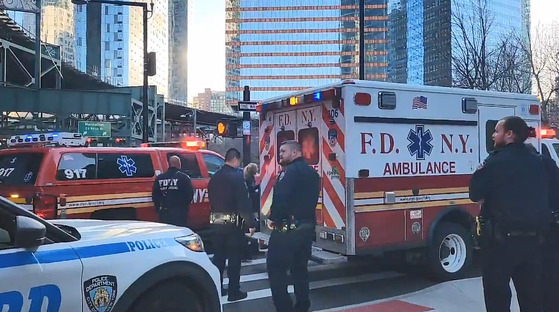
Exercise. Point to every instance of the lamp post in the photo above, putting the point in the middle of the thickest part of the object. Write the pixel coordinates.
(144, 6)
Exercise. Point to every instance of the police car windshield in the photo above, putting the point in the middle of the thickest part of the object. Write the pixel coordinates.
(556, 148)
(18, 169)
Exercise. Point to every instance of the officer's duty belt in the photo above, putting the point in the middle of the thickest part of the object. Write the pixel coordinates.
(286, 226)
(522, 234)
(223, 218)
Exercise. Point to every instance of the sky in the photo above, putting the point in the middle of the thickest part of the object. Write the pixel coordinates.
(206, 56)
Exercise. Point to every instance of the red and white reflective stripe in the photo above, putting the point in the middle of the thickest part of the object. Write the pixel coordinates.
(268, 168)
(333, 181)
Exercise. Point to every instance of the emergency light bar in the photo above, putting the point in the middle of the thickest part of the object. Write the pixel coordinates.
(48, 139)
(187, 143)
(313, 97)
(548, 133)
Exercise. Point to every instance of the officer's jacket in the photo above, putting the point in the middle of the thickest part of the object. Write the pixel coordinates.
(296, 193)
(172, 190)
(227, 193)
(514, 188)
(552, 173)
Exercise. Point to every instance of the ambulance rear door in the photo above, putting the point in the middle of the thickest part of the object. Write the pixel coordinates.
(309, 135)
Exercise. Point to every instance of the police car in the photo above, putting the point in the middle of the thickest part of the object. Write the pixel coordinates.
(102, 266)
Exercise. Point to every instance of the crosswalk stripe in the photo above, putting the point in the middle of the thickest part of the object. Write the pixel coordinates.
(264, 293)
(313, 267)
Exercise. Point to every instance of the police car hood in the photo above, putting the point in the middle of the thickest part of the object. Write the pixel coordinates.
(101, 229)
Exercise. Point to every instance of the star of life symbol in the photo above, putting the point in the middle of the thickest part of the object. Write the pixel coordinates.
(420, 142)
(126, 165)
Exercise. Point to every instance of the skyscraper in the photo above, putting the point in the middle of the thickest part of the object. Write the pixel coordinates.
(425, 36)
(57, 26)
(180, 13)
(281, 46)
(112, 39)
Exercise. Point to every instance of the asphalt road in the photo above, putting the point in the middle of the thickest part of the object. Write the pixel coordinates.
(335, 285)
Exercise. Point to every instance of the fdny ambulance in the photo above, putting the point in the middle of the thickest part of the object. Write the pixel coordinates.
(395, 162)
(57, 176)
(102, 266)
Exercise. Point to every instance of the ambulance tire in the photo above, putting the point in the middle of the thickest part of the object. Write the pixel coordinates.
(450, 253)
(169, 296)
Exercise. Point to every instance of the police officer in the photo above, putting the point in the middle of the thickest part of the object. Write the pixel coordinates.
(550, 248)
(292, 218)
(230, 214)
(514, 191)
(172, 194)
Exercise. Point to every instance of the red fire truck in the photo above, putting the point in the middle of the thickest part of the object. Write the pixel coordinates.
(56, 176)
(395, 162)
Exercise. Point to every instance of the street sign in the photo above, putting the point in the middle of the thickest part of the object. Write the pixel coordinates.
(247, 106)
(96, 129)
(246, 127)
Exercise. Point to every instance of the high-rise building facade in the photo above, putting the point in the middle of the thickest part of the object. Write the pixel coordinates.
(424, 34)
(112, 39)
(278, 46)
(180, 20)
(212, 101)
(57, 26)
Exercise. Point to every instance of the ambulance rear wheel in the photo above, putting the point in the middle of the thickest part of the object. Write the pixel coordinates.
(170, 296)
(450, 253)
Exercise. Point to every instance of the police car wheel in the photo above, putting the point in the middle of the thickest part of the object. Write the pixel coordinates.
(169, 296)
(450, 252)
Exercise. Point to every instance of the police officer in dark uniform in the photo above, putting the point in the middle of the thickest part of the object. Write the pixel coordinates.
(550, 248)
(172, 194)
(230, 215)
(514, 191)
(292, 218)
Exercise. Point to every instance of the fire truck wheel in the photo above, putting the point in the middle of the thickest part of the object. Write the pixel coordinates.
(170, 296)
(450, 252)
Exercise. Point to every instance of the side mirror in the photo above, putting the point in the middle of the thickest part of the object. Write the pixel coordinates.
(29, 232)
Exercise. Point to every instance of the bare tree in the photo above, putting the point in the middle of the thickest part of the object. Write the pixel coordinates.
(483, 58)
(541, 46)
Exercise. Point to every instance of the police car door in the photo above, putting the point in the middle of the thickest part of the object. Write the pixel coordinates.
(45, 279)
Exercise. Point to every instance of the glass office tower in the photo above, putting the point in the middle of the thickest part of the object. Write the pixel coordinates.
(279, 46)
(112, 38)
(421, 44)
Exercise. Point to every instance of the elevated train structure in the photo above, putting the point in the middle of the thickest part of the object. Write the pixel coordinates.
(68, 96)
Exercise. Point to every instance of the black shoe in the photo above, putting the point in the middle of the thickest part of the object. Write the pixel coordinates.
(237, 296)
(223, 291)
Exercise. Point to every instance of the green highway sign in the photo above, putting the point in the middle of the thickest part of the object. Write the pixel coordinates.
(96, 129)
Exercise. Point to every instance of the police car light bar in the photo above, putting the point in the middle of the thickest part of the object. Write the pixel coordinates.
(48, 139)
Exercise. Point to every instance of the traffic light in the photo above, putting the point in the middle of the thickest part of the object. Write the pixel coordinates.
(227, 128)
(152, 64)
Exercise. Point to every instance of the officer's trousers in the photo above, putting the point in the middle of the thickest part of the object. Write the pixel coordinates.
(178, 217)
(229, 243)
(550, 270)
(518, 258)
(290, 251)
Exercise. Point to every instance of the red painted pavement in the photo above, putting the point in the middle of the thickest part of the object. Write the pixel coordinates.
(389, 306)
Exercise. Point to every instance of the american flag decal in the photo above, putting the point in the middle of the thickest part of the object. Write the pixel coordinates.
(419, 102)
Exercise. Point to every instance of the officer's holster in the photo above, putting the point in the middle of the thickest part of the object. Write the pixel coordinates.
(290, 225)
(488, 232)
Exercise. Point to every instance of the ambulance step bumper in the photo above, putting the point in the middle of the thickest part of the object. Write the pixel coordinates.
(326, 257)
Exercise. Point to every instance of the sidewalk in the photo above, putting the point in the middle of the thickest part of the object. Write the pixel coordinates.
(455, 296)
